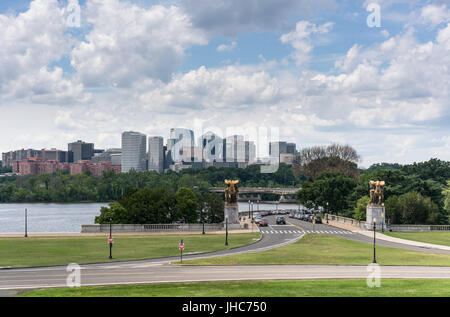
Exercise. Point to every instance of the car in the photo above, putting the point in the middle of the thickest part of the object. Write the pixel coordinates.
(318, 219)
(263, 213)
(281, 221)
(257, 219)
(263, 223)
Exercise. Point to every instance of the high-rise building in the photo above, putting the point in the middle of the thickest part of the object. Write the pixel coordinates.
(250, 152)
(276, 149)
(234, 148)
(291, 148)
(81, 150)
(178, 139)
(212, 147)
(134, 151)
(106, 156)
(156, 154)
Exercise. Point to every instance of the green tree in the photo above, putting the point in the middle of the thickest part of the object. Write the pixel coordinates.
(331, 191)
(187, 205)
(446, 194)
(359, 213)
(412, 208)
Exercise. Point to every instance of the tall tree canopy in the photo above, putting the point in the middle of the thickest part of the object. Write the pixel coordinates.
(316, 160)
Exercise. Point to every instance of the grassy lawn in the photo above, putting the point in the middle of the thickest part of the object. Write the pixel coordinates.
(302, 288)
(442, 238)
(36, 251)
(323, 249)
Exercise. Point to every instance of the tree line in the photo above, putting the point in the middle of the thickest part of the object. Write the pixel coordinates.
(416, 193)
(63, 187)
(161, 205)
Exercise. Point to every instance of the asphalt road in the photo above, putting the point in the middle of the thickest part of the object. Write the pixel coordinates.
(346, 234)
(159, 270)
(129, 271)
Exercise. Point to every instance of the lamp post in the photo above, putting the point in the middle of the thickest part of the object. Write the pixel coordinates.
(226, 230)
(203, 223)
(382, 222)
(374, 231)
(26, 223)
(110, 236)
(249, 215)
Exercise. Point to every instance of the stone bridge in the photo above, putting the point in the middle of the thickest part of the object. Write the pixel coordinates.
(254, 193)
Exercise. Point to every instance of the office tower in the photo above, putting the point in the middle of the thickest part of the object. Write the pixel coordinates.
(106, 156)
(178, 139)
(234, 148)
(81, 150)
(250, 152)
(212, 147)
(291, 148)
(156, 154)
(134, 151)
(277, 148)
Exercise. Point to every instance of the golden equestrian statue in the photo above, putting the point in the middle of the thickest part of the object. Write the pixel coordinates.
(376, 193)
(231, 192)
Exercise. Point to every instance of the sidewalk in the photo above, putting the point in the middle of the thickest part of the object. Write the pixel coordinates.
(384, 237)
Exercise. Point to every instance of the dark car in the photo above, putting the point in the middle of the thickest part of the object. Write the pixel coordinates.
(318, 219)
(281, 221)
(263, 223)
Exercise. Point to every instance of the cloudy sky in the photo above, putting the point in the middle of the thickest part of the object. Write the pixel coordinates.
(314, 69)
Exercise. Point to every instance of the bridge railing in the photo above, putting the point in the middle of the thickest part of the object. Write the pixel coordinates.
(344, 220)
(392, 227)
(151, 227)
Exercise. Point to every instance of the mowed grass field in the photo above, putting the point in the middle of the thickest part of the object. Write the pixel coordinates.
(297, 288)
(442, 238)
(42, 251)
(324, 249)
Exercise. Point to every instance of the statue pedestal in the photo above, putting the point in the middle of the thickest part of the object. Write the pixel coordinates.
(232, 213)
(375, 212)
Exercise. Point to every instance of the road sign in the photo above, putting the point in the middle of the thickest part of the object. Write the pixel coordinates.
(111, 240)
(181, 245)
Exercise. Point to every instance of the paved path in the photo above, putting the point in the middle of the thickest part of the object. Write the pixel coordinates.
(163, 273)
(404, 241)
(159, 270)
(357, 235)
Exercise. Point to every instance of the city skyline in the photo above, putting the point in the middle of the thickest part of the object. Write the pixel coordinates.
(317, 70)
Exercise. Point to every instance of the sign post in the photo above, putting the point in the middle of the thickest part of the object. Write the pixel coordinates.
(110, 242)
(110, 239)
(181, 249)
(313, 222)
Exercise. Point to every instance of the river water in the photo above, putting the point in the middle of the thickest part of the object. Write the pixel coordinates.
(68, 218)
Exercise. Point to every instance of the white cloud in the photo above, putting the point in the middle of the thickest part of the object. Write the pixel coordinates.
(300, 39)
(227, 48)
(30, 42)
(128, 43)
(435, 14)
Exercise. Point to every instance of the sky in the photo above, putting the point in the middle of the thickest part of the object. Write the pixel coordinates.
(374, 74)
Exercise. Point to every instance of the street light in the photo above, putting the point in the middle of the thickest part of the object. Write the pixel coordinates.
(203, 222)
(110, 236)
(249, 215)
(226, 230)
(26, 223)
(382, 221)
(374, 231)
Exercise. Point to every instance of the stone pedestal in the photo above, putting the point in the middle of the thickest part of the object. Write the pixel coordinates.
(375, 212)
(232, 212)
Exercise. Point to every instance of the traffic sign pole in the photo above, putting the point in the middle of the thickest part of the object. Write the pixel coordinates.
(181, 246)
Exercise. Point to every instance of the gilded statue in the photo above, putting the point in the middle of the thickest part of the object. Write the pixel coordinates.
(376, 193)
(231, 192)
